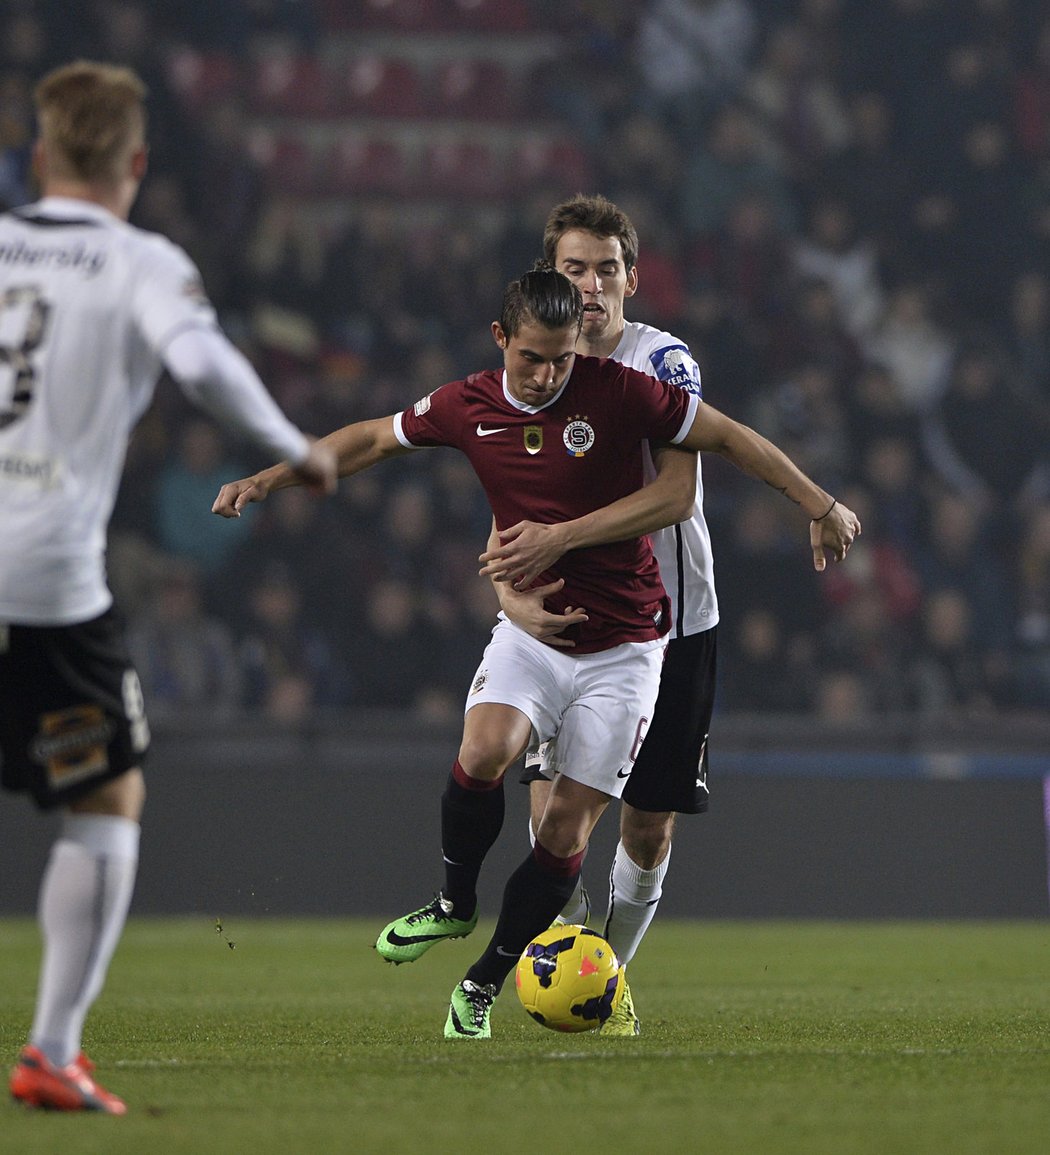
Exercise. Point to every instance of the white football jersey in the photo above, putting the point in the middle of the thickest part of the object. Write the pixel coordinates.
(88, 304)
(683, 550)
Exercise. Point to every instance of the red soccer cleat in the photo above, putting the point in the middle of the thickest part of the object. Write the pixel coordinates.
(36, 1082)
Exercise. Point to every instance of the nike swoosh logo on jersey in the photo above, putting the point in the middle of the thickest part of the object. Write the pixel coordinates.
(622, 773)
(488, 432)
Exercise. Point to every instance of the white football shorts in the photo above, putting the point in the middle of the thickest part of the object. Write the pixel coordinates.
(598, 706)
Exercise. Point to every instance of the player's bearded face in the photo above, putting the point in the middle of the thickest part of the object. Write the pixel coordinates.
(596, 267)
(538, 361)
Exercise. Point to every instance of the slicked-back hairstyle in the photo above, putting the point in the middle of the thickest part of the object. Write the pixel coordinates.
(543, 296)
(591, 214)
(91, 116)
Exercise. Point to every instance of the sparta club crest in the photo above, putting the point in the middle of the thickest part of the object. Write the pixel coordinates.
(578, 436)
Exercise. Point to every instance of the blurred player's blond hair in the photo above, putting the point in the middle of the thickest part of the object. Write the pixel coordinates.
(91, 118)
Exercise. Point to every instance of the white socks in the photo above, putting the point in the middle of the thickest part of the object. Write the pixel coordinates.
(633, 897)
(578, 908)
(84, 898)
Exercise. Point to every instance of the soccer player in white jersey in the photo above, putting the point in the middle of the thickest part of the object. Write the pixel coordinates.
(554, 437)
(91, 311)
(595, 245)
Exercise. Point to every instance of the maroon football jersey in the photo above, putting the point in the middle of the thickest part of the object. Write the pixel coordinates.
(579, 452)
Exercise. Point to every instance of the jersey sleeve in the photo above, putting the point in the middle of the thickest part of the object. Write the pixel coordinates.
(168, 294)
(219, 378)
(663, 412)
(435, 419)
(672, 362)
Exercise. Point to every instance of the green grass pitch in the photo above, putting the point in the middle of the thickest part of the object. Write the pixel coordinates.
(759, 1038)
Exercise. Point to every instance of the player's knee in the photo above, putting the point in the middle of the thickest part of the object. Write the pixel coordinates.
(494, 735)
(486, 759)
(563, 836)
(646, 837)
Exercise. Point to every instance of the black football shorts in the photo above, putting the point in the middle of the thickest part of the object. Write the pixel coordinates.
(72, 714)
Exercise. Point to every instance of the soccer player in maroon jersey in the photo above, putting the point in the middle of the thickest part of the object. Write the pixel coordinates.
(553, 437)
(595, 244)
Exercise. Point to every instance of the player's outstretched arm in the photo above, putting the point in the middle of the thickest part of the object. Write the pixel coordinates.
(832, 526)
(525, 550)
(353, 448)
(317, 470)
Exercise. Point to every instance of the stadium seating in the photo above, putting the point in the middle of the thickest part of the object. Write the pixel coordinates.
(375, 85)
(287, 160)
(543, 161)
(288, 85)
(358, 163)
(432, 16)
(386, 15)
(473, 89)
(401, 98)
(461, 167)
(488, 15)
(201, 78)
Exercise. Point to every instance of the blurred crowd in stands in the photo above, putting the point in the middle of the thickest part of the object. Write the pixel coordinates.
(844, 208)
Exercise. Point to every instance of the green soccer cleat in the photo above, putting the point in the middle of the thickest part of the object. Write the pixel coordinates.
(406, 939)
(468, 1012)
(623, 1021)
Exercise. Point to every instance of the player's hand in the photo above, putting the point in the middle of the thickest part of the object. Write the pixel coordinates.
(318, 472)
(524, 552)
(525, 609)
(235, 495)
(835, 531)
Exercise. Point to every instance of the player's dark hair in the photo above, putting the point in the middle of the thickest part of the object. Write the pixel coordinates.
(544, 297)
(591, 214)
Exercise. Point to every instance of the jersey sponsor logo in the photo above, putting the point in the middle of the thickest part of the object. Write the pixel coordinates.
(422, 405)
(675, 365)
(533, 438)
(481, 431)
(39, 471)
(623, 772)
(71, 744)
(578, 437)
